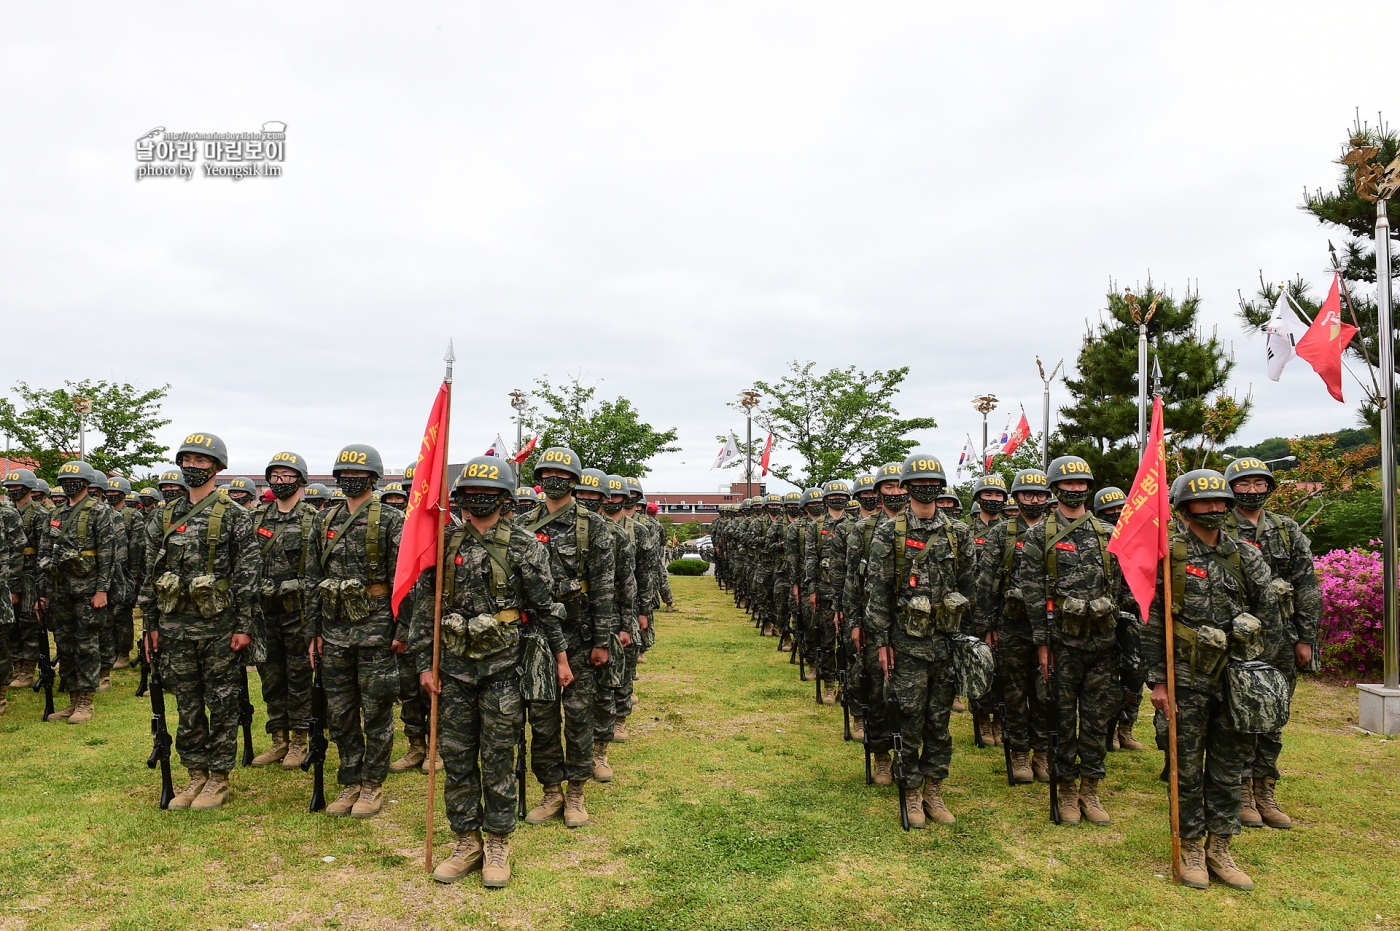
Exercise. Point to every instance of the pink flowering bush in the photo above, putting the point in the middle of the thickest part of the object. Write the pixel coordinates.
(1350, 629)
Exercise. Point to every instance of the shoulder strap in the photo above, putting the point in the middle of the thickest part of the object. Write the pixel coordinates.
(340, 534)
(1008, 552)
(581, 515)
(211, 530)
(821, 526)
(80, 516)
(376, 510)
(1178, 574)
(454, 545)
(1283, 531)
(901, 558)
(169, 515)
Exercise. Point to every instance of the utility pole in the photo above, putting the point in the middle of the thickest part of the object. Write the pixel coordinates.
(520, 401)
(748, 398)
(1045, 413)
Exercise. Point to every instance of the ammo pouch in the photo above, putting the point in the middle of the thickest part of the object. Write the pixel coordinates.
(77, 563)
(1102, 615)
(209, 595)
(612, 676)
(1073, 615)
(569, 590)
(948, 618)
(454, 634)
(539, 677)
(916, 617)
(1283, 590)
(1205, 650)
(344, 599)
(1246, 637)
(1013, 604)
(974, 665)
(1257, 695)
(488, 634)
(169, 593)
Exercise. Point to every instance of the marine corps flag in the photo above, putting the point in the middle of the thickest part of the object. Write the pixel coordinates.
(1140, 537)
(419, 544)
(1328, 337)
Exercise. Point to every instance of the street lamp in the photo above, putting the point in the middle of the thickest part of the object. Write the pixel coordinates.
(1282, 459)
(520, 401)
(748, 399)
(1141, 319)
(986, 403)
(82, 407)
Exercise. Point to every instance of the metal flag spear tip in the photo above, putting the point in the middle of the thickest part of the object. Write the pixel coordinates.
(1045, 420)
(1156, 375)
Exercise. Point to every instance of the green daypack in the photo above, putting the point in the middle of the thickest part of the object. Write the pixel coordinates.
(974, 665)
(1257, 695)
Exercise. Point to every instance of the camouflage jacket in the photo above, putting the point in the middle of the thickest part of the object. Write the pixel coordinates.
(587, 591)
(794, 532)
(997, 603)
(286, 546)
(1083, 570)
(858, 539)
(34, 520)
(177, 542)
(341, 555)
(625, 574)
(775, 546)
(76, 552)
(131, 525)
(12, 545)
(1288, 554)
(981, 531)
(934, 558)
(1212, 597)
(470, 592)
(824, 558)
(649, 568)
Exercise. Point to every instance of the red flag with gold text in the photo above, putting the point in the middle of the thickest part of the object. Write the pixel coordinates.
(418, 546)
(1328, 337)
(1140, 537)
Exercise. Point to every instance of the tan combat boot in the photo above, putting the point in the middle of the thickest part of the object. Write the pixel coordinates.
(984, 727)
(934, 807)
(296, 751)
(1089, 802)
(1268, 808)
(785, 644)
(63, 714)
(495, 868)
(437, 763)
(1069, 803)
(828, 693)
(620, 734)
(769, 630)
(345, 801)
(83, 712)
(1021, 768)
(1249, 811)
(466, 856)
(858, 728)
(1222, 866)
(1039, 768)
(1125, 738)
(998, 734)
(883, 771)
(1112, 740)
(24, 675)
(551, 806)
(274, 754)
(641, 657)
(104, 679)
(602, 772)
(1192, 864)
(214, 793)
(914, 802)
(370, 802)
(413, 757)
(575, 815)
(958, 705)
(190, 792)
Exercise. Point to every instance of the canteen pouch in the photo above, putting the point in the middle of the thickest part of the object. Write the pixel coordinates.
(916, 617)
(1013, 604)
(1257, 695)
(1204, 649)
(539, 676)
(612, 675)
(1074, 616)
(77, 563)
(210, 595)
(950, 613)
(168, 593)
(354, 600)
(330, 598)
(488, 634)
(1101, 615)
(268, 592)
(289, 595)
(1246, 637)
(1283, 590)
(454, 634)
(974, 665)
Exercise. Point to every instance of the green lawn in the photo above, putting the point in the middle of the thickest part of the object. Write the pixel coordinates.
(736, 805)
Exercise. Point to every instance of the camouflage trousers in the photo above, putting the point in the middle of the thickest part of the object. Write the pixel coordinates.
(666, 597)
(762, 596)
(782, 603)
(286, 675)
(604, 702)
(118, 636)
(924, 690)
(824, 635)
(203, 674)
(77, 633)
(561, 732)
(26, 638)
(1018, 672)
(1211, 757)
(877, 731)
(479, 729)
(7, 668)
(624, 694)
(360, 681)
(1133, 680)
(415, 703)
(1087, 697)
(1263, 762)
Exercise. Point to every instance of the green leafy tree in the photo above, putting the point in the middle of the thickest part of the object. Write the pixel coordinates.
(46, 430)
(840, 423)
(1101, 425)
(607, 435)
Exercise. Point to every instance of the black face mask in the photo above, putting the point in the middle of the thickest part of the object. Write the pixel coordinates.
(16, 492)
(1111, 516)
(869, 502)
(837, 504)
(172, 494)
(924, 494)
(556, 486)
(794, 510)
(481, 505)
(1252, 500)
(896, 502)
(283, 492)
(1072, 499)
(73, 486)
(196, 477)
(991, 506)
(612, 507)
(593, 504)
(1034, 511)
(814, 510)
(354, 487)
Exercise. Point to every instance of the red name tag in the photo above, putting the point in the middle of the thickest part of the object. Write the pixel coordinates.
(1050, 604)
(1064, 545)
(55, 523)
(542, 537)
(1197, 571)
(264, 532)
(1020, 544)
(1254, 543)
(979, 540)
(826, 533)
(330, 534)
(458, 560)
(180, 529)
(913, 581)
(913, 544)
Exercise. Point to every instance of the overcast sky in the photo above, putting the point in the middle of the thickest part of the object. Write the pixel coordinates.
(673, 199)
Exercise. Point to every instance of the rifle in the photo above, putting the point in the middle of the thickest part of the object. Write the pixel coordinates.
(817, 665)
(137, 617)
(45, 680)
(843, 666)
(896, 724)
(520, 765)
(864, 701)
(1001, 715)
(160, 736)
(1052, 709)
(315, 759)
(245, 713)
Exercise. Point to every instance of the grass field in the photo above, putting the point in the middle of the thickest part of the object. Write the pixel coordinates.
(736, 805)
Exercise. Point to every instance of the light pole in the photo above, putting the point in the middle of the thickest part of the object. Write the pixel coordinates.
(1045, 412)
(519, 400)
(1141, 320)
(82, 407)
(986, 403)
(748, 398)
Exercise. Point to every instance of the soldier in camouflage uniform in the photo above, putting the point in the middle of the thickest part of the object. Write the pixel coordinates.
(583, 569)
(988, 500)
(1107, 507)
(784, 582)
(130, 527)
(806, 636)
(76, 555)
(284, 534)
(198, 603)
(1288, 554)
(865, 501)
(497, 596)
(1222, 602)
(794, 532)
(317, 495)
(414, 703)
(950, 502)
(767, 554)
(650, 571)
(12, 545)
(1072, 588)
(524, 503)
(918, 587)
(242, 492)
(26, 637)
(824, 579)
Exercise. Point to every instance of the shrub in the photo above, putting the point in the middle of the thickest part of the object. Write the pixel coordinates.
(1350, 630)
(688, 567)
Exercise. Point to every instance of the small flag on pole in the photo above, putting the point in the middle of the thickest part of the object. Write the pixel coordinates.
(1328, 337)
(1140, 536)
(767, 453)
(1282, 337)
(730, 450)
(1018, 436)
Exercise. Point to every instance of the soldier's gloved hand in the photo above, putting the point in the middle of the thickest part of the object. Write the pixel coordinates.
(598, 656)
(624, 638)
(1159, 696)
(1302, 654)
(562, 670)
(239, 642)
(398, 646)
(99, 600)
(428, 684)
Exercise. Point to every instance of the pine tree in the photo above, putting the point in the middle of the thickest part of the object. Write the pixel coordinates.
(1101, 425)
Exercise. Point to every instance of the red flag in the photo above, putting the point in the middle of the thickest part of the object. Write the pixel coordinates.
(525, 451)
(1022, 431)
(1326, 339)
(418, 545)
(767, 451)
(1140, 538)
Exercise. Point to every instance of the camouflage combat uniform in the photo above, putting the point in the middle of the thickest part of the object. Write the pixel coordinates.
(12, 545)
(76, 554)
(27, 636)
(858, 540)
(285, 549)
(999, 605)
(649, 573)
(130, 527)
(824, 575)
(783, 579)
(794, 532)
(605, 702)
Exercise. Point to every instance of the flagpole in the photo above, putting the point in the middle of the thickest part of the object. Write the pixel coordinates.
(437, 611)
(1385, 333)
(1173, 781)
